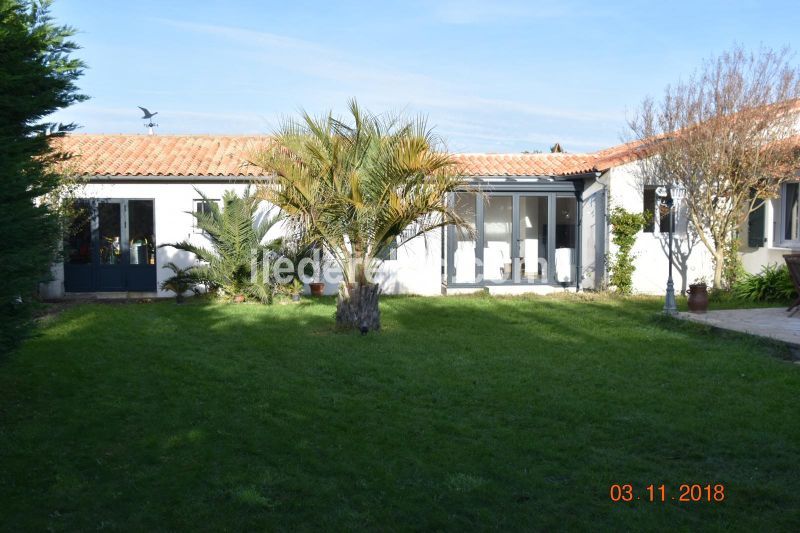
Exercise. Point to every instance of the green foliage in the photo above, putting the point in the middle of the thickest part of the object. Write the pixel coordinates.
(624, 228)
(355, 185)
(772, 284)
(237, 246)
(295, 288)
(358, 186)
(181, 282)
(732, 268)
(719, 296)
(297, 249)
(37, 77)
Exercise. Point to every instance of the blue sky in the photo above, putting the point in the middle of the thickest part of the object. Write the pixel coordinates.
(499, 76)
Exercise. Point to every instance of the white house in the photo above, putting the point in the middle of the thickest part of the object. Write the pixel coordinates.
(540, 220)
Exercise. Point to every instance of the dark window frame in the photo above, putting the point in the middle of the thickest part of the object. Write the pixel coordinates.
(652, 203)
(784, 204)
(197, 203)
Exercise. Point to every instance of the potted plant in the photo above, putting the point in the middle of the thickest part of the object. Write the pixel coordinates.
(698, 296)
(294, 289)
(318, 287)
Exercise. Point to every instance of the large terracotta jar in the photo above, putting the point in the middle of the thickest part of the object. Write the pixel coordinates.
(317, 289)
(698, 298)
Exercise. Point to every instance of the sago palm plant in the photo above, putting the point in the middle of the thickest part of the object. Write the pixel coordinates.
(182, 281)
(236, 238)
(357, 186)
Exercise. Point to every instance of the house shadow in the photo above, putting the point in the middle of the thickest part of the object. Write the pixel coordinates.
(684, 236)
(682, 247)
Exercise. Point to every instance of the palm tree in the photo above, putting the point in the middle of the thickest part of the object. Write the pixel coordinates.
(182, 281)
(358, 186)
(236, 238)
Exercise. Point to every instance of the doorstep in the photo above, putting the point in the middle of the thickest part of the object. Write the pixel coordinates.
(125, 295)
(501, 290)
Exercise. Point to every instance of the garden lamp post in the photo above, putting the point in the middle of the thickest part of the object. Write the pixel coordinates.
(668, 195)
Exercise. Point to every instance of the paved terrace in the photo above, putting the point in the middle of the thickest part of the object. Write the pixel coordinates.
(771, 322)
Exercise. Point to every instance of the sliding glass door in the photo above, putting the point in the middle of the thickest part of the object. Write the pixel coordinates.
(513, 238)
(566, 217)
(463, 241)
(532, 240)
(498, 238)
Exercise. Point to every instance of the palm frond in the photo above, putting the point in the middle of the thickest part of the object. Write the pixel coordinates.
(356, 184)
(235, 237)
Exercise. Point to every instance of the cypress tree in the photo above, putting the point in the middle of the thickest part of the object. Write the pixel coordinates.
(37, 77)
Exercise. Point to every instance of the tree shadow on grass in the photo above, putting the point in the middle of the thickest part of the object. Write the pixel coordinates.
(202, 414)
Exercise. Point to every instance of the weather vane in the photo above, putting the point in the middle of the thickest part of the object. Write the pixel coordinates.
(149, 117)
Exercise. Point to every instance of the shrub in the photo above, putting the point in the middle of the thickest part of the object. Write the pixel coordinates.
(236, 238)
(772, 284)
(624, 227)
(181, 282)
(732, 268)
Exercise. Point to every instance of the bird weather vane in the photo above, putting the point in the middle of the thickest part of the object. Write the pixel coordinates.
(149, 117)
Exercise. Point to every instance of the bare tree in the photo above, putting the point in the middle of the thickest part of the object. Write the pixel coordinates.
(728, 135)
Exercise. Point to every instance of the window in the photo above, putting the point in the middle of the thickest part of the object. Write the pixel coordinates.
(389, 253)
(464, 242)
(790, 201)
(202, 206)
(141, 236)
(110, 229)
(78, 240)
(657, 213)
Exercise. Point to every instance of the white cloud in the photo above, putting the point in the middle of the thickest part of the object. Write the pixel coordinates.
(467, 112)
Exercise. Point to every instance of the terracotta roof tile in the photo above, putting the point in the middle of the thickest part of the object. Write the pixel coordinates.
(220, 155)
(557, 164)
(207, 155)
(160, 155)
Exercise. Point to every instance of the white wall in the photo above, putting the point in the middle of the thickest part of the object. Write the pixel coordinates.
(416, 270)
(593, 236)
(692, 260)
(754, 259)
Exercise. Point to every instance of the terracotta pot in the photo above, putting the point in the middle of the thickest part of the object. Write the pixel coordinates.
(239, 298)
(698, 298)
(317, 289)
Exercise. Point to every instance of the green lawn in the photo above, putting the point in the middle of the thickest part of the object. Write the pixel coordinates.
(464, 413)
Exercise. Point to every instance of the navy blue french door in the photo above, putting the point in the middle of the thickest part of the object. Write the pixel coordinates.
(110, 247)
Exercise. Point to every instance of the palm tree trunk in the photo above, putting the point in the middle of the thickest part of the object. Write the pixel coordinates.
(357, 307)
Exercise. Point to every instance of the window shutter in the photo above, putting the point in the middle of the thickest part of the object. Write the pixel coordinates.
(755, 227)
(649, 208)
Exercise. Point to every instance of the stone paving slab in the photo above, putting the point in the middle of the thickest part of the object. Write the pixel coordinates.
(771, 322)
